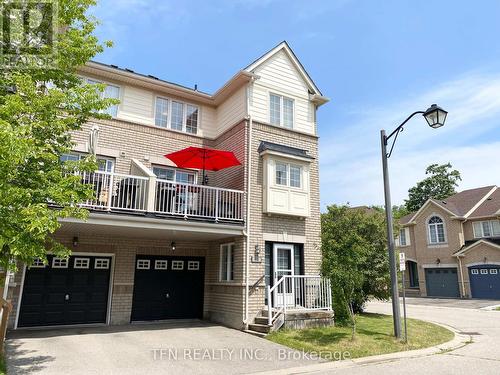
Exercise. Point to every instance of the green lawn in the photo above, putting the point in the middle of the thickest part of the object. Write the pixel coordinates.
(498, 308)
(2, 365)
(374, 336)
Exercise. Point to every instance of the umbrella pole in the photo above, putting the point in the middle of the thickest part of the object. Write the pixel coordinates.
(203, 177)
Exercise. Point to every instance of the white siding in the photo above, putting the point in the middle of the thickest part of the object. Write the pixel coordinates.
(136, 105)
(278, 75)
(231, 111)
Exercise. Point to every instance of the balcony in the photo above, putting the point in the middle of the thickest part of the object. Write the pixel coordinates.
(121, 193)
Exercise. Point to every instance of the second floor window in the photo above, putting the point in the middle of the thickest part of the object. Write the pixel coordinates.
(490, 228)
(402, 237)
(288, 175)
(281, 111)
(110, 92)
(436, 230)
(175, 175)
(176, 115)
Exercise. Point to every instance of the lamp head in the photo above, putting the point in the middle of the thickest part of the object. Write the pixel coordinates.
(435, 116)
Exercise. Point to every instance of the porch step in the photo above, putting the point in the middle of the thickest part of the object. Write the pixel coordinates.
(261, 320)
(262, 328)
(255, 333)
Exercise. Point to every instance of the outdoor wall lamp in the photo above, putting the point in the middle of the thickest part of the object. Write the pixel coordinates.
(75, 241)
(438, 261)
(172, 245)
(435, 117)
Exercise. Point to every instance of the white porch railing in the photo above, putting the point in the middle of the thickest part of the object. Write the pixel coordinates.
(298, 293)
(173, 198)
(141, 194)
(116, 191)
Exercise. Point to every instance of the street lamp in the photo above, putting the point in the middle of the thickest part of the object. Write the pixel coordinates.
(435, 117)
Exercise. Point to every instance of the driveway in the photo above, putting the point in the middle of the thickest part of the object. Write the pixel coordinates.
(452, 302)
(482, 356)
(191, 347)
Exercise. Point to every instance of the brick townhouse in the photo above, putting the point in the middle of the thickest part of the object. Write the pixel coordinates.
(452, 246)
(161, 245)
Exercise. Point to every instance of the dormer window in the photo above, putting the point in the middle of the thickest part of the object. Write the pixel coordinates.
(436, 230)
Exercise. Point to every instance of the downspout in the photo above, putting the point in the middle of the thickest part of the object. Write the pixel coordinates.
(247, 231)
(461, 275)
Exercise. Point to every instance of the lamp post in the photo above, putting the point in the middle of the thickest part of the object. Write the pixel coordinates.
(435, 117)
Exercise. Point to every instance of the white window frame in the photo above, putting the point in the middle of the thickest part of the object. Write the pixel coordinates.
(184, 114)
(193, 265)
(281, 110)
(483, 271)
(474, 271)
(493, 271)
(143, 264)
(177, 170)
(480, 233)
(288, 165)
(93, 81)
(101, 263)
(84, 263)
(429, 238)
(161, 264)
(177, 265)
(37, 263)
(109, 161)
(61, 262)
(402, 235)
(229, 262)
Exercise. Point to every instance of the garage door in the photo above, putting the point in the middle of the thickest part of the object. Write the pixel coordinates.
(66, 291)
(485, 281)
(168, 288)
(441, 282)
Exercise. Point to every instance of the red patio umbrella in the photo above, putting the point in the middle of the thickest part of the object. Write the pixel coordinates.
(203, 158)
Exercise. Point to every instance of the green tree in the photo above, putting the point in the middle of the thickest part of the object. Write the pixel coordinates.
(440, 184)
(39, 107)
(354, 258)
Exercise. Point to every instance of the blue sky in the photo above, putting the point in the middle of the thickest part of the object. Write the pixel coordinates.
(378, 61)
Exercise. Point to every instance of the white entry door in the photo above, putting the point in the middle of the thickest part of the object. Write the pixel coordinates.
(283, 264)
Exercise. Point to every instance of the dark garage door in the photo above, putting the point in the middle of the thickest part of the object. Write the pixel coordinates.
(441, 282)
(66, 291)
(485, 281)
(168, 288)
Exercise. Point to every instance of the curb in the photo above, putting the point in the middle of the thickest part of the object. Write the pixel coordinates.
(457, 342)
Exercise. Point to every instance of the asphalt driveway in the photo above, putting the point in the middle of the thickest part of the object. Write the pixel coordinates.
(452, 302)
(191, 347)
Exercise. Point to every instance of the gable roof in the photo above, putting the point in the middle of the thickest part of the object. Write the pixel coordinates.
(476, 243)
(469, 203)
(283, 46)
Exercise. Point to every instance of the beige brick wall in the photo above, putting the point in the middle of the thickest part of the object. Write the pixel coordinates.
(272, 224)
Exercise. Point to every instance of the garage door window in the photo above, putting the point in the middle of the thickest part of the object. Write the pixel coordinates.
(193, 265)
(475, 272)
(177, 265)
(160, 264)
(59, 263)
(493, 271)
(143, 264)
(37, 263)
(81, 263)
(484, 271)
(101, 264)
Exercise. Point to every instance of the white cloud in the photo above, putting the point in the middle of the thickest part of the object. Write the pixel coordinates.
(351, 164)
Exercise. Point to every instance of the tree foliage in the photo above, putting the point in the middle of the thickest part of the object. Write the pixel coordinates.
(35, 124)
(440, 184)
(354, 258)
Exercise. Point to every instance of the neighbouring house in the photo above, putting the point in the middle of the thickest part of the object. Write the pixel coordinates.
(452, 246)
(160, 245)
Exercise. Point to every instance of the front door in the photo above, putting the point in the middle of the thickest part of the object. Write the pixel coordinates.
(283, 264)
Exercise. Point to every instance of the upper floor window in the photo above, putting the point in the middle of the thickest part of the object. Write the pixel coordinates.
(288, 175)
(110, 92)
(175, 175)
(103, 164)
(402, 237)
(436, 230)
(490, 228)
(176, 115)
(281, 110)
